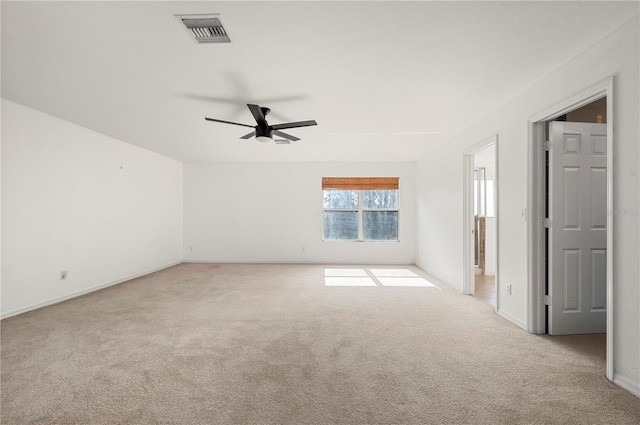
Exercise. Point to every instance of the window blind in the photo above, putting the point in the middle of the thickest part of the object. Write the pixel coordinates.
(360, 183)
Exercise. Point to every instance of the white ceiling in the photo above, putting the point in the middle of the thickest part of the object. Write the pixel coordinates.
(386, 81)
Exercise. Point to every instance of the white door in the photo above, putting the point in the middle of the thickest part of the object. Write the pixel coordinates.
(577, 256)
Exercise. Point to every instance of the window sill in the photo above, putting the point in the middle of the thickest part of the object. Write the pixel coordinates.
(357, 241)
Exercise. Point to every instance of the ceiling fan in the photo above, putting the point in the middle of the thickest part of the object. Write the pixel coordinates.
(264, 132)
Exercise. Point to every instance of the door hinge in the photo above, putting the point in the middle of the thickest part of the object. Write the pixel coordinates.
(546, 223)
(546, 145)
(546, 299)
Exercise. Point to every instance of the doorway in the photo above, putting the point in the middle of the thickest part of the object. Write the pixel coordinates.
(480, 224)
(562, 279)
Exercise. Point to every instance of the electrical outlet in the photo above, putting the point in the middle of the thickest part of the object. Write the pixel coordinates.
(508, 289)
(63, 275)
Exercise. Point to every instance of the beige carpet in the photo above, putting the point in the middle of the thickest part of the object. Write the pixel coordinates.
(271, 344)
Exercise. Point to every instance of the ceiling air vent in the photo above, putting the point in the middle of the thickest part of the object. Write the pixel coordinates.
(205, 28)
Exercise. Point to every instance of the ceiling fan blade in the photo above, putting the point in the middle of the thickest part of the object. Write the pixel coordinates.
(258, 115)
(228, 122)
(292, 98)
(249, 136)
(225, 100)
(285, 135)
(294, 124)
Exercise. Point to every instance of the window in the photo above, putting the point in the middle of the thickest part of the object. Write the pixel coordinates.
(484, 204)
(360, 209)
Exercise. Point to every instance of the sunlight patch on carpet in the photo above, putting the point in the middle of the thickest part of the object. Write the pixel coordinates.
(348, 281)
(392, 273)
(375, 277)
(345, 272)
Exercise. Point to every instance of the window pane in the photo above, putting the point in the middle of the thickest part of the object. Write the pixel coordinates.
(482, 208)
(380, 225)
(340, 199)
(475, 193)
(380, 199)
(341, 225)
(491, 200)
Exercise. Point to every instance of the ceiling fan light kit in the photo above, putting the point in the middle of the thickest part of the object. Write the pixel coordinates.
(264, 139)
(264, 132)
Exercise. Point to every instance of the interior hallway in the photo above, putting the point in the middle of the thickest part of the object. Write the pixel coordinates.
(485, 289)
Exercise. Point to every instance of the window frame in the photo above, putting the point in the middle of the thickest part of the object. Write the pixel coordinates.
(360, 214)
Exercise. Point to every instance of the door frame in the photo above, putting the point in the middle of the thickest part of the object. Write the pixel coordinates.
(535, 207)
(468, 283)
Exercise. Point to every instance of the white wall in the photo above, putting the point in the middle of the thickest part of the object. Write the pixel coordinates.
(76, 200)
(269, 212)
(439, 190)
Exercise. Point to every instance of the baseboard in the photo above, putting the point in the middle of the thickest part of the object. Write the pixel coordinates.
(56, 300)
(627, 384)
(440, 278)
(519, 323)
(313, 262)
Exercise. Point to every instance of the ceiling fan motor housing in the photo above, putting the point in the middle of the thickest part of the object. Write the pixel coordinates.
(264, 132)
